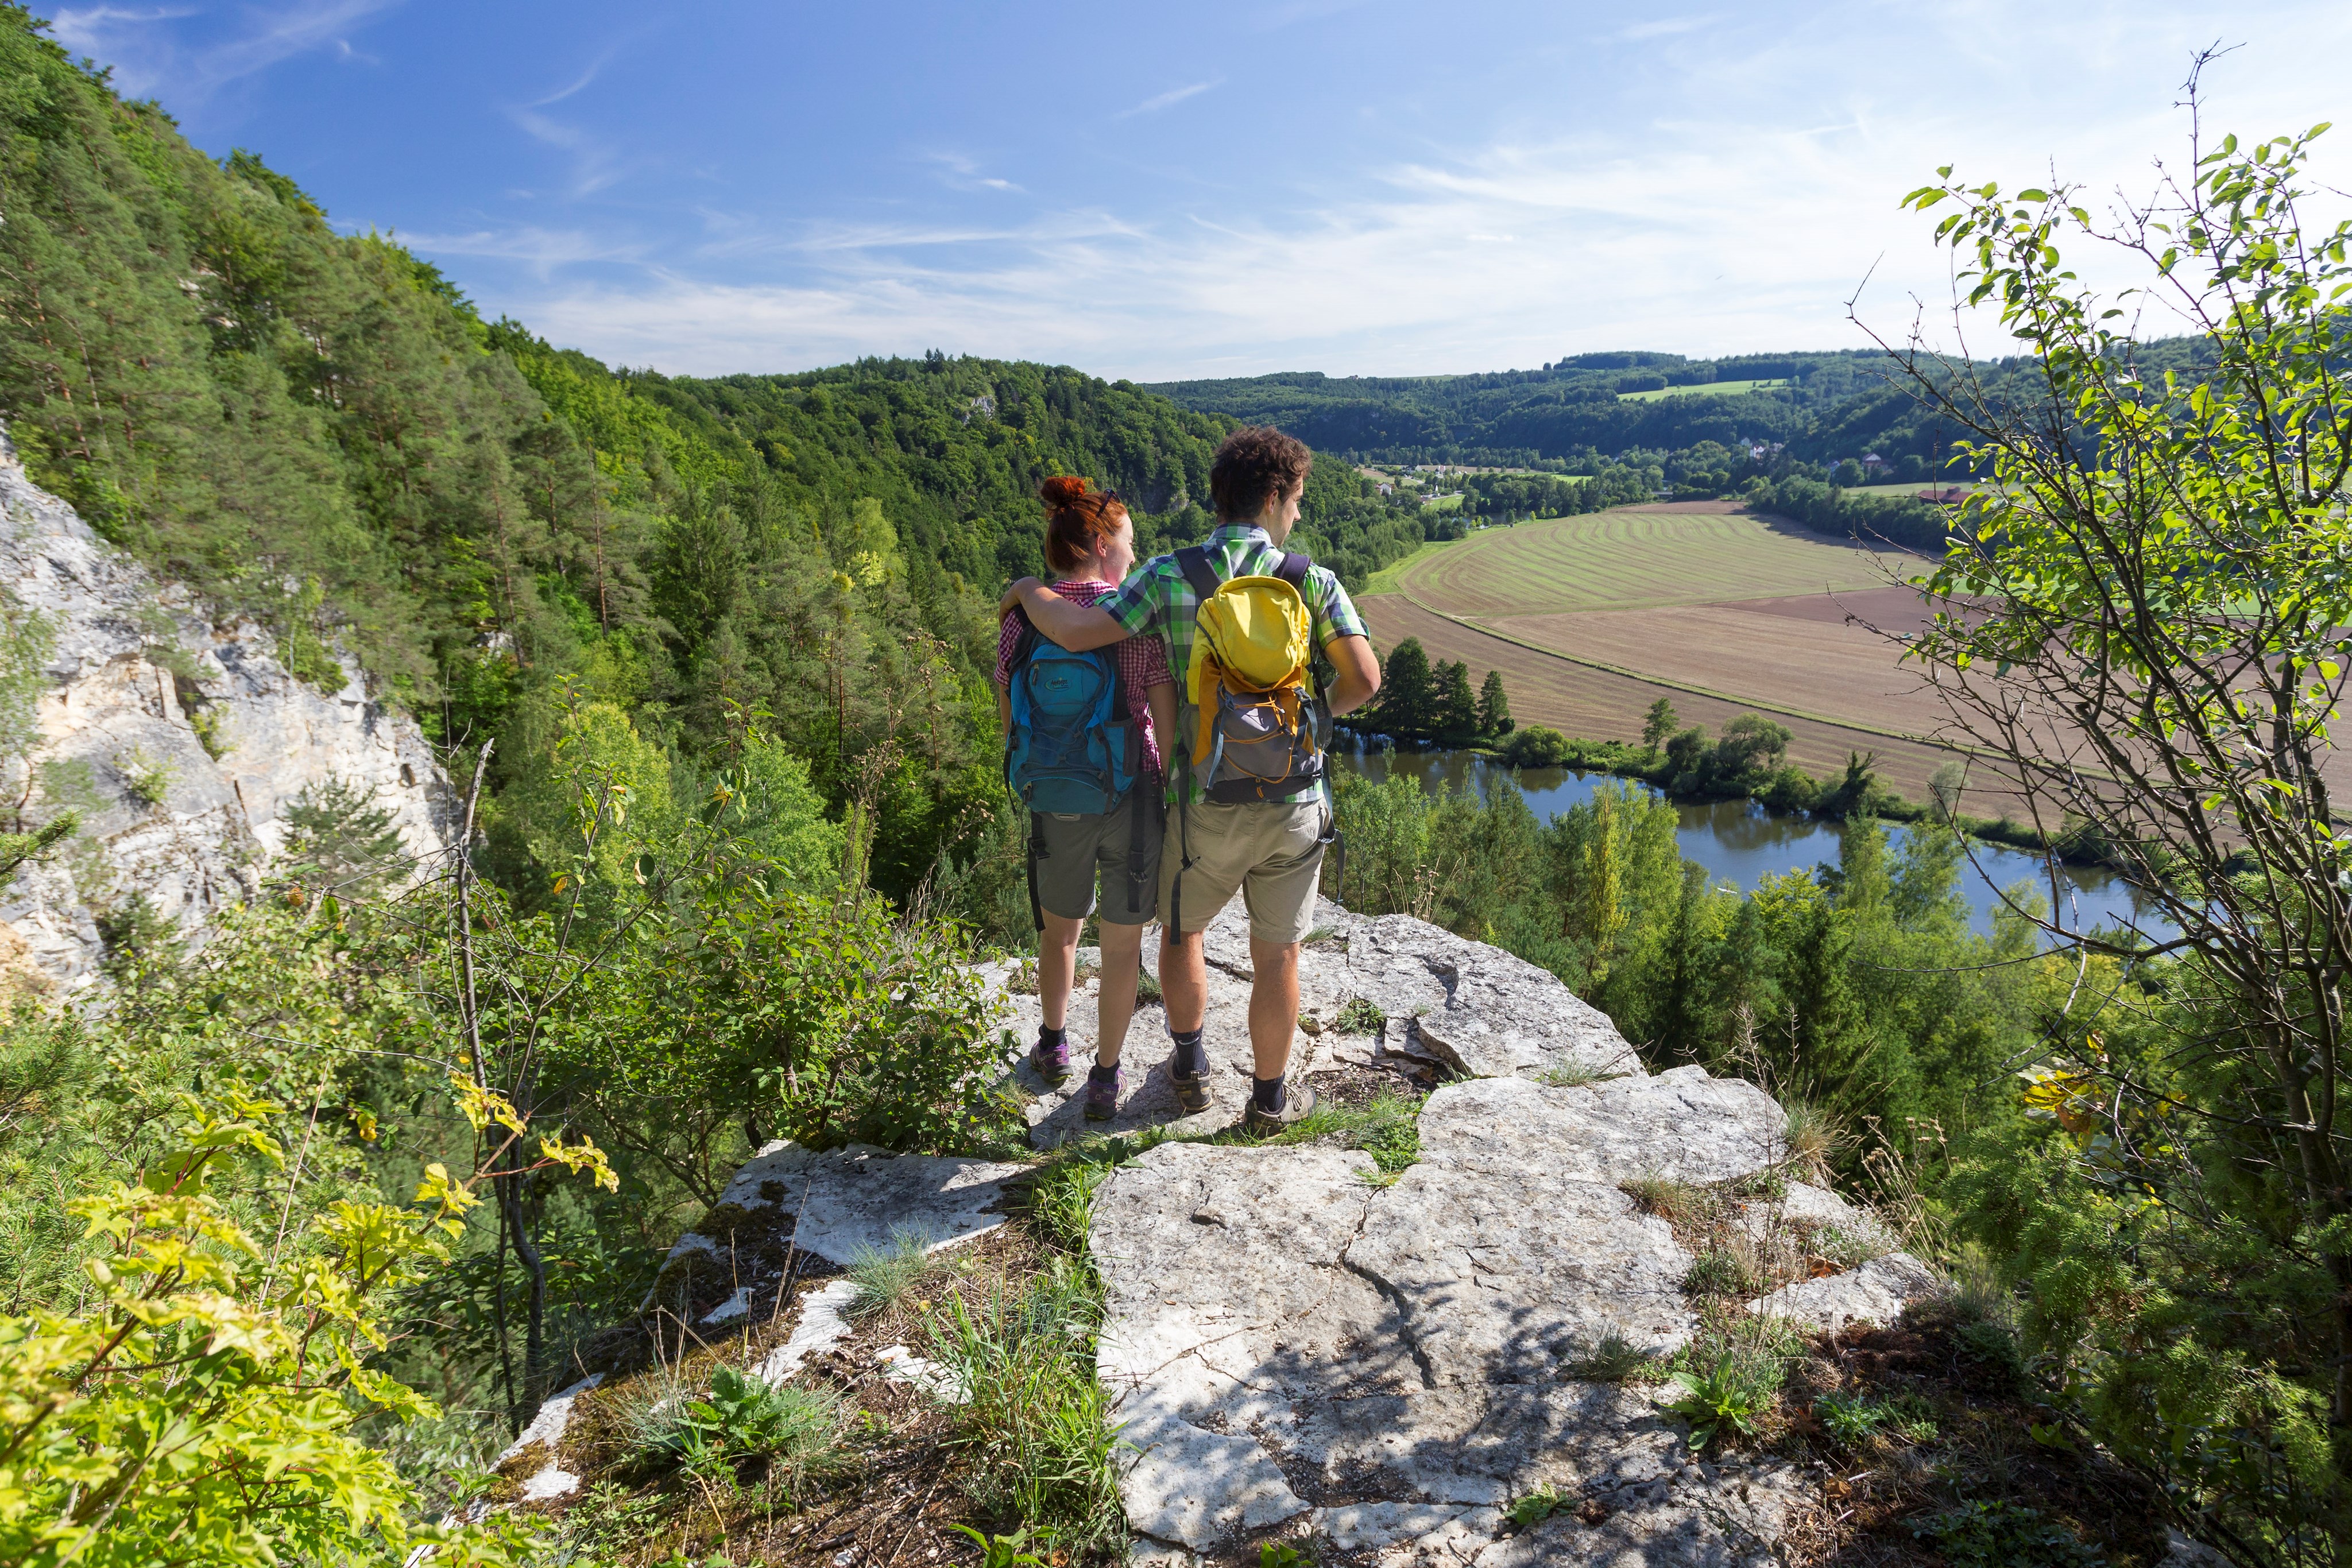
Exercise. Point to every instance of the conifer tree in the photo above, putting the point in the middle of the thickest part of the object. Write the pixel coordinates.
(1457, 707)
(1408, 695)
(1493, 707)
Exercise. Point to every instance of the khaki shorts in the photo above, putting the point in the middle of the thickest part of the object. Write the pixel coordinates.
(1078, 847)
(1271, 851)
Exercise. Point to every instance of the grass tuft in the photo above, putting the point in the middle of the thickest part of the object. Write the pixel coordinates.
(1359, 1016)
(1675, 1202)
(1612, 1358)
(883, 1274)
(1387, 1127)
(1812, 1137)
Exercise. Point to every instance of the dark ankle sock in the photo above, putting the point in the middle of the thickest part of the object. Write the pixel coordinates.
(1268, 1093)
(1192, 1056)
(1050, 1036)
(1099, 1073)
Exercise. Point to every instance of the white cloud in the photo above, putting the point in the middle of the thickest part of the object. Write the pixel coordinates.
(1168, 99)
(147, 59)
(1742, 219)
(1665, 28)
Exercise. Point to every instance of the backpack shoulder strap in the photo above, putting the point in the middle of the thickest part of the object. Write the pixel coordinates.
(1026, 647)
(1194, 561)
(1293, 570)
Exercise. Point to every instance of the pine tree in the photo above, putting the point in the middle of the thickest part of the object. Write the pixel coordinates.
(1493, 707)
(1408, 695)
(1457, 707)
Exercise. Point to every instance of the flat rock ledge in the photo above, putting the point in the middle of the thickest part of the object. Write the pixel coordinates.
(1291, 1344)
(1390, 986)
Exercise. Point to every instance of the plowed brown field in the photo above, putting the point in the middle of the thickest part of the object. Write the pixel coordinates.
(1577, 699)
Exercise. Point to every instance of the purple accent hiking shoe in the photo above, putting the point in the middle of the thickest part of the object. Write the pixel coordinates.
(1051, 1060)
(1102, 1099)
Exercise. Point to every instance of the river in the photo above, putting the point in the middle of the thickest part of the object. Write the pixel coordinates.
(1740, 844)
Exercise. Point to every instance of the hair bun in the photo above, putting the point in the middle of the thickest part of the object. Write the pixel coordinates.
(1063, 491)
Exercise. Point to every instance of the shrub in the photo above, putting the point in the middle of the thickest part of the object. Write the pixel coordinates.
(1536, 746)
(1980, 1534)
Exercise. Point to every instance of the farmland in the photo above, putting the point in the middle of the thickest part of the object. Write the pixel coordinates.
(1690, 552)
(1593, 618)
(1702, 388)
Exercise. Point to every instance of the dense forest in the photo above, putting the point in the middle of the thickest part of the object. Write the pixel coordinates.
(320, 1212)
(1573, 415)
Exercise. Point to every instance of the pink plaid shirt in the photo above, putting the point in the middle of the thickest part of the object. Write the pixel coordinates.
(1142, 664)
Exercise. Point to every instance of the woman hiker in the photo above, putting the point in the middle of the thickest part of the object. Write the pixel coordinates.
(1082, 752)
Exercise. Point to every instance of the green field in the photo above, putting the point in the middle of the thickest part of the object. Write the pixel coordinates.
(1385, 580)
(1629, 559)
(1705, 389)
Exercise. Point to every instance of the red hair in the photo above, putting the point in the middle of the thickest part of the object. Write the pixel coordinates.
(1078, 522)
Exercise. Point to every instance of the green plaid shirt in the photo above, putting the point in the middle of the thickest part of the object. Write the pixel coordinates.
(1155, 600)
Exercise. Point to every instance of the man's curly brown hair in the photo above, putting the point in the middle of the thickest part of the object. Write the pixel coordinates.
(1257, 464)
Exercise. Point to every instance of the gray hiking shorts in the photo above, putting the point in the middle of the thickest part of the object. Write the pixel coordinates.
(1067, 852)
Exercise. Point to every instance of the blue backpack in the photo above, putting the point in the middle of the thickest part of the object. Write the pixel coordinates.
(1072, 748)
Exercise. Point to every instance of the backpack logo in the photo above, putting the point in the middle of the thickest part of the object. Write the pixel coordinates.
(1071, 748)
(1249, 685)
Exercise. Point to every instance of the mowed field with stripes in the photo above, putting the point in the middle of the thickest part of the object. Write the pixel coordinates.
(1593, 618)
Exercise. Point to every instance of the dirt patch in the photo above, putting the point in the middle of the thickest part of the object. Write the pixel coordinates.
(1974, 1437)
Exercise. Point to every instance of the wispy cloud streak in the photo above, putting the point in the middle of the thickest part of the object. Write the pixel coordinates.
(1168, 99)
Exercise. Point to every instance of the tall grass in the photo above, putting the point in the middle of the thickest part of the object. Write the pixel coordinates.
(1038, 1425)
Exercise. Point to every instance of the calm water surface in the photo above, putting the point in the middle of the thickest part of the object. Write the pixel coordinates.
(1740, 844)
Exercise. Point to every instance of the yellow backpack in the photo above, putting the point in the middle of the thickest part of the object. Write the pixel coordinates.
(1248, 681)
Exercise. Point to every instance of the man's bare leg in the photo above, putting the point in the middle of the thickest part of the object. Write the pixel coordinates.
(1183, 980)
(1273, 1004)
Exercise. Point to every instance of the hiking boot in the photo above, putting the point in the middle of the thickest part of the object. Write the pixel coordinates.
(1299, 1103)
(1102, 1097)
(1191, 1090)
(1051, 1060)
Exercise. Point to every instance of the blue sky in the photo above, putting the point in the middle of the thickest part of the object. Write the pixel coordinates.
(1207, 189)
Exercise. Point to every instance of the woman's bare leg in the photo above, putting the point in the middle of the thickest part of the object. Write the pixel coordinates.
(1058, 963)
(1122, 958)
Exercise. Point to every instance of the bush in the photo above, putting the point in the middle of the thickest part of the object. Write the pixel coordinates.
(1536, 746)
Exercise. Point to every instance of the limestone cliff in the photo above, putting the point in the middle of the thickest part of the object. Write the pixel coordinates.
(192, 826)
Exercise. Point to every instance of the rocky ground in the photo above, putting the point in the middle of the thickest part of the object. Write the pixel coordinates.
(1447, 1343)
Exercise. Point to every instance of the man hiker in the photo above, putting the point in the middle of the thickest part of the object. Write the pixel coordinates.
(1241, 618)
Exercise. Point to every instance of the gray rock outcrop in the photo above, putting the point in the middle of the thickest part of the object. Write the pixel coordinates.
(1294, 1341)
(134, 664)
